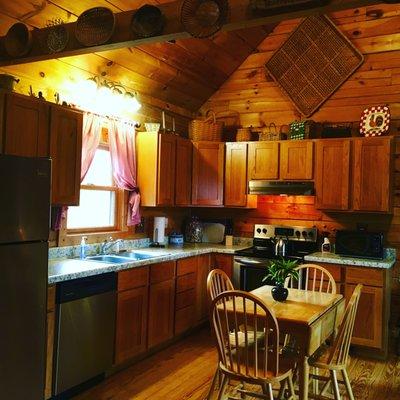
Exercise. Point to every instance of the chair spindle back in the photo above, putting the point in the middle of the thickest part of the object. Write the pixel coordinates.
(218, 282)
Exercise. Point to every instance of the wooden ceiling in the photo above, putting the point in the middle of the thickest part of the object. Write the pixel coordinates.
(178, 76)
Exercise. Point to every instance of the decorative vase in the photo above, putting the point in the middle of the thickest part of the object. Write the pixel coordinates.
(279, 293)
(194, 231)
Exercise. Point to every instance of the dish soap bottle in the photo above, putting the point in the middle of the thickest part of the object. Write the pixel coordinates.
(326, 246)
(83, 248)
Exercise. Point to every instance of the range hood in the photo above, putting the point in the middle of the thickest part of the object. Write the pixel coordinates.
(281, 187)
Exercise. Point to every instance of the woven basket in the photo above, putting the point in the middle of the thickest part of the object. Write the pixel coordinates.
(270, 133)
(207, 129)
(243, 135)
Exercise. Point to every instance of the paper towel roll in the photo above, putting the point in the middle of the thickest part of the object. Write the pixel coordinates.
(159, 229)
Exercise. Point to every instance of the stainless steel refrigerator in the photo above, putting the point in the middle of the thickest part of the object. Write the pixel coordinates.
(24, 232)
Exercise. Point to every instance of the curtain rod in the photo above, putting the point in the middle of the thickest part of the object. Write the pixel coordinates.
(135, 124)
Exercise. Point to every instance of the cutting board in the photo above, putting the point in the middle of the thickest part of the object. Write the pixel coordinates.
(213, 233)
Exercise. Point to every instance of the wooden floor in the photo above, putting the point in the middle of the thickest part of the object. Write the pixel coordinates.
(184, 371)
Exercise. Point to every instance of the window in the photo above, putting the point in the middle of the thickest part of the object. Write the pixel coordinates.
(98, 206)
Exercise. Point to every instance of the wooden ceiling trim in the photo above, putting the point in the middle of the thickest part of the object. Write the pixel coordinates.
(239, 19)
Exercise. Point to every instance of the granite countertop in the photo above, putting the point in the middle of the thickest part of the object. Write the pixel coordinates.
(332, 258)
(66, 269)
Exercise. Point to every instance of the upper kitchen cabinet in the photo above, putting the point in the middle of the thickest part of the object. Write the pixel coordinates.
(354, 174)
(236, 174)
(263, 160)
(332, 170)
(296, 160)
(183, 173)
(208, 173)
(372, 173)
(156, 158)
(66, 152)
(26, 122)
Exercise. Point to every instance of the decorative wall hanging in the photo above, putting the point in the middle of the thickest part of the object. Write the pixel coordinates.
(313, 63)
(95, 26)
(375, 121)
(268, 7)
(148, 21)
(204, 18)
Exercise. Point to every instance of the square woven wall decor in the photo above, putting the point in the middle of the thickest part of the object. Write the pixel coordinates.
(313, 63)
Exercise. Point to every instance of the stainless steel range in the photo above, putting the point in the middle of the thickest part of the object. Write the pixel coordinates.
(269, 243)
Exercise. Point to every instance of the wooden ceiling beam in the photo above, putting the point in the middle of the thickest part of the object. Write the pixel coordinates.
(123, 37)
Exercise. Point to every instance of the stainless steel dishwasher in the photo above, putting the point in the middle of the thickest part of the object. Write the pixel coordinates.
(86, 310)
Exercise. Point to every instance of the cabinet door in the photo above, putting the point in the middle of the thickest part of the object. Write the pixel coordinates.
(166, 170)
(263, 160)
(224, 262)
(26, 126)
(332, 171)
(208, 173)
(65, 151)
(369, 319)
(161, 312)
(203, 268)
(296, 160)
(131, 328)
(236, 174)
(372, 174)
(183, 174)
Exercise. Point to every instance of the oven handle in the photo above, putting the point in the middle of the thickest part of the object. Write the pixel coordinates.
(248, 261)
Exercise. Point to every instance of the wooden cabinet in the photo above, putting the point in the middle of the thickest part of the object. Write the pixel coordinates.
(132, 305)
(26, 126)
(161, 303)
(183, 172)
(51, 313)
(65, 152)
(354, 174)
(332, 183)
(263, 160)
(156, 168)
(223, 262)
(296, 160)
(236, 174)
(208, 173)
(203, 268)
(372, 173)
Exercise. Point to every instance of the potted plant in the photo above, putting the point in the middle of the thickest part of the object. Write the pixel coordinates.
(279, 271)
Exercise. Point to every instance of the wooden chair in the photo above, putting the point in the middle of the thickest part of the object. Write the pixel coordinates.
(217, 282)
(241, 315)
(334, 358)
(312, 277)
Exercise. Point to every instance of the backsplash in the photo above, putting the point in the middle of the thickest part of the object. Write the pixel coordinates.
(94, 248)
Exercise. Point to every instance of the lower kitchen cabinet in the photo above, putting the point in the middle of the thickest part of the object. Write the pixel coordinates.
(203, 268)
(51, 314)
(161, 303)
(132, 307)
(223, 262)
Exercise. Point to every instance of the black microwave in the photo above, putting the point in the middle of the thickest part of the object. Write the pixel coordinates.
(360, 244)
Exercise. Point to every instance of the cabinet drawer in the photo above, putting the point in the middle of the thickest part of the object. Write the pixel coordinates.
(366, 276)
(184, 319)
(335, 270)
(133, 278)
(185, 299)
(162, 272)
(185, 282)
(51, 298)
(186, 266)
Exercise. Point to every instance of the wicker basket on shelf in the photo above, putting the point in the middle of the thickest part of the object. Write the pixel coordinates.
(206, 129)
(270, 133)
(243, 135)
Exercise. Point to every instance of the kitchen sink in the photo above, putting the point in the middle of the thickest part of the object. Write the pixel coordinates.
(110, 259)
(141, 256)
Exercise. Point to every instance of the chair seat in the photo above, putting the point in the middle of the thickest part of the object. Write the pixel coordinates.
(242, 338)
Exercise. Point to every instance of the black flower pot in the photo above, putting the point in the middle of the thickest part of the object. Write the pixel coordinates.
(279, 293)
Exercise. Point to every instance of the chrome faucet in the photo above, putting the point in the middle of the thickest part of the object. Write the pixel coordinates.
(107, 245)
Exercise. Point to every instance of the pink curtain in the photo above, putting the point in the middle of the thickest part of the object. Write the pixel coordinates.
(90, 140)
(121, 136)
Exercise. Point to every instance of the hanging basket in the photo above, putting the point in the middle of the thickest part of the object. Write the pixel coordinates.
(206, 129)
(243, 135)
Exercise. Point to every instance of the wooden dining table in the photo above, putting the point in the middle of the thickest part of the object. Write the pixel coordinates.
(310, 318)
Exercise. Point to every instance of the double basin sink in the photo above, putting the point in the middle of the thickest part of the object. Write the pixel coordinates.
(125, 257)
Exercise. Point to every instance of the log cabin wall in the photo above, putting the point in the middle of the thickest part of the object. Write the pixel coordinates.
(258, 100)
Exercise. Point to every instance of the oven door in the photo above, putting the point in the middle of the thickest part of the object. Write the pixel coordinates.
(249, 273)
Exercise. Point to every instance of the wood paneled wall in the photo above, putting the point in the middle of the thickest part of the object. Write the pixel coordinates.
(375, 32)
